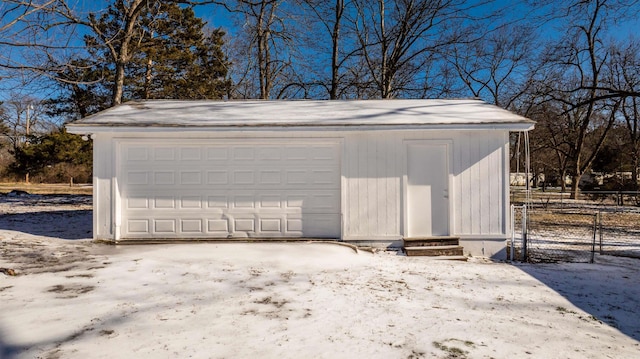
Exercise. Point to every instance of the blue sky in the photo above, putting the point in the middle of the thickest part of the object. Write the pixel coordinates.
(216, 16)
(219, 17)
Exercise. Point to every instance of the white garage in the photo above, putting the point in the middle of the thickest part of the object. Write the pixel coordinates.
(374, 172)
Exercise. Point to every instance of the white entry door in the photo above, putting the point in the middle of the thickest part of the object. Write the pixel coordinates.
(427, 189)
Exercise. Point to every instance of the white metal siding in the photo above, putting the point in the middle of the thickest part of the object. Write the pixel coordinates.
(371, 190)
(220, 189)
(102, 188)
(479, 181)
(374, 172)
(373, 179)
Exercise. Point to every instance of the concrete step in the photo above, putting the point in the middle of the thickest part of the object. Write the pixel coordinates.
(434, 251)
(431, 241)
(446, 258)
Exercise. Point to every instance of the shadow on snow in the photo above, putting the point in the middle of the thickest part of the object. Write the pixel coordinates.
(607, 292)
(69, 225)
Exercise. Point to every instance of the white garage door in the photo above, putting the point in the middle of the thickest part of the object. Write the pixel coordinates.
(215, 189)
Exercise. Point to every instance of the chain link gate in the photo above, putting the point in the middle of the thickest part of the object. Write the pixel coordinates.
(553, 236)
(619, 233)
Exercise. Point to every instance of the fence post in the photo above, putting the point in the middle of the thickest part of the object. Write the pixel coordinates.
(512, 253)
(600, 230)
(593, 244)
(524, 232)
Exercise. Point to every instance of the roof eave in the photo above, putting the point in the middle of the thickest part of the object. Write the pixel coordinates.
(84, 128)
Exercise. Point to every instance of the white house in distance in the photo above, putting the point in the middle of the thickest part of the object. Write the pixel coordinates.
(366, 171)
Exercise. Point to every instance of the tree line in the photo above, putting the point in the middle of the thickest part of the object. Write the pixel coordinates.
(568, 65)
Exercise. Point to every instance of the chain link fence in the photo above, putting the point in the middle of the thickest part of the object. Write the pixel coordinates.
(573, 235)
(619, 233)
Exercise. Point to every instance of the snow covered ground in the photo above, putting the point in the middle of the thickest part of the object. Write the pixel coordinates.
(73, 298)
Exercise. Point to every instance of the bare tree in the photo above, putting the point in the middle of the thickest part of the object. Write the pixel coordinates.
(576, 64)
(497, 66)
(267, 39)
(23, 24)
(23, 117)
(327, 18)
(400, 38)
(624, 75)
(553, 137)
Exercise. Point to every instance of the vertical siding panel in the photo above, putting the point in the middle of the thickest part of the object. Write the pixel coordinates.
(463, 209)
(464, 185)
(491, 179)
(374, 160)
(471, 182)
(469, 161)
(459, 174)
(346, 190)
(104, 171)
(367, 175)
(373, 184)
(364, 186)
(459, 184)
(386, 186)
(396, 151)
(345, 187)
(456, 190)
(393, 193)
(475, 186)
(505, 191)
(383, 182)
(470, 194)
(504, 182)
(468, 198)
(496, 183)
(367, 198)
(352, 186)
(500, 184)
(361, 184)
(485, 185)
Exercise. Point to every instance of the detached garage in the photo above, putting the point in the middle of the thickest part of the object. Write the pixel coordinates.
(374, 171)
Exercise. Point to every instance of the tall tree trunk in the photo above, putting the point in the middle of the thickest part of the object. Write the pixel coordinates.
(122, 56)
(118, 84)
(335, 42)
(575, 189)
(563, 180)
(635, 161)
(384, 66)
(632, 121)
(147, 79)
(261, 57)
(264, 58)
(148, 76)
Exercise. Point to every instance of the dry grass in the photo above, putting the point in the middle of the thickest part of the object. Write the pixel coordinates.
(559, 218)
(550, 218)
(622, 220)
(46, 188)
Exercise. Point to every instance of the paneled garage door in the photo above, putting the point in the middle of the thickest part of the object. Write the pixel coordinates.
(219, 189)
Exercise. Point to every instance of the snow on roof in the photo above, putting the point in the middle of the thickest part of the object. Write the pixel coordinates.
(303, 113)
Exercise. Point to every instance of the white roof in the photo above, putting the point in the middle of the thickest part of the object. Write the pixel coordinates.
(459, 114)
